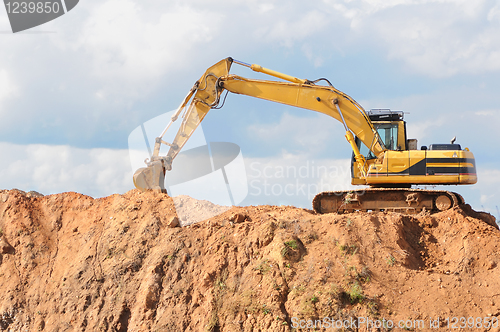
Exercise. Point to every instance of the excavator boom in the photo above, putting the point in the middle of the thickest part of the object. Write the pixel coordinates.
(206, 94)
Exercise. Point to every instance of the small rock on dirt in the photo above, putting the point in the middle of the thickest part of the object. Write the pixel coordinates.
(173, 222)
(5, 247)
(237, 218)
(34, 194)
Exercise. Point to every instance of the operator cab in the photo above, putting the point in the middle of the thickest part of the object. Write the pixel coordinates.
(404, 165)
(391, 128)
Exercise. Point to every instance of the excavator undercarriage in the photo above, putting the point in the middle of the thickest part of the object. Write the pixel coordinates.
(403, 200)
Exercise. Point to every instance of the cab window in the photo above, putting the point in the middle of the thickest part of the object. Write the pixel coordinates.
(364, 150)
(389, 134)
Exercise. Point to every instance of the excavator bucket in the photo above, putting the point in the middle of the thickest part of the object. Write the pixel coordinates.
(151, 177)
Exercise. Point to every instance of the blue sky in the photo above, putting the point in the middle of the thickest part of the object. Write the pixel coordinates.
(72, 90)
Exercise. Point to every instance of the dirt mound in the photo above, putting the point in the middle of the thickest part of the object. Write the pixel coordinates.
(69, 262)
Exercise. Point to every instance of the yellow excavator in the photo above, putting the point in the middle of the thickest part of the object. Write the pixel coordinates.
(383, 157)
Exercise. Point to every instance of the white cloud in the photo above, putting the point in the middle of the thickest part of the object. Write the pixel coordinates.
(317, 59)
(438, 38)
(266, 7)
(8, 89)
(287, 31)
(424, 131)
(52, 169)
(4, 23)
(313, 134)
(131, 45)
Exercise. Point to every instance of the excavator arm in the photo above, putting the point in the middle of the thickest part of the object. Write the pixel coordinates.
(207, 94)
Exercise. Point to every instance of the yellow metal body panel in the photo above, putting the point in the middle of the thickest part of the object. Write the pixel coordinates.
(401, 135)
(420, 168)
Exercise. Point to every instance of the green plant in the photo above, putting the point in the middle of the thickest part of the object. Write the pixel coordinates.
(288, 246)
(263, 267)
(265, 310)
(391, 260)
(355, 293)
(213, 323)
(314, 299)
(219, 290)
(292, 244)
(312, 237)
(348, 249)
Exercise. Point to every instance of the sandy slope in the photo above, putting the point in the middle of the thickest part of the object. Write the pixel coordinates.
(69, 262)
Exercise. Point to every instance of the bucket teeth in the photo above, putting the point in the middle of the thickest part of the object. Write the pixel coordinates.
(151, 177)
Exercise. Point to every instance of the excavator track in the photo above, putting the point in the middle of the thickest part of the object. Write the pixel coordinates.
(403, 200)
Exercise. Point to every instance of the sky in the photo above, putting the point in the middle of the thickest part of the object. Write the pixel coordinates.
(73, 90)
